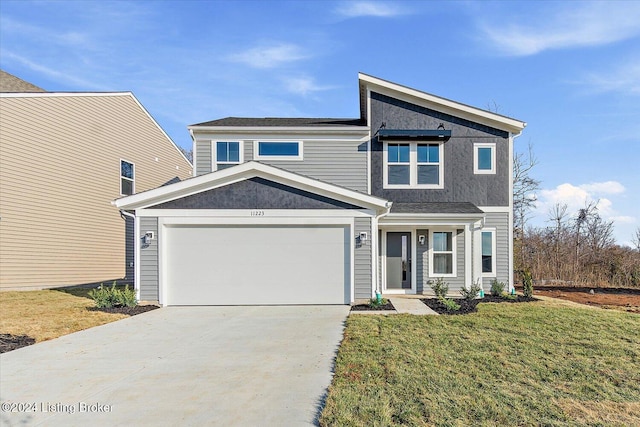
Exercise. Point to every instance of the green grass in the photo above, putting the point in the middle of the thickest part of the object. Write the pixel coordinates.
(537, 363)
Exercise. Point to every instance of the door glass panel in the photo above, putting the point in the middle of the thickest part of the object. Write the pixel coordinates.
(398, 261)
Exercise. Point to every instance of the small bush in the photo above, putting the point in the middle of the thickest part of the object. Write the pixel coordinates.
(497, 288)
(472, 292)
(106, 297)
(373, 302)
(450, 304)
(527, 284)
(440, 288)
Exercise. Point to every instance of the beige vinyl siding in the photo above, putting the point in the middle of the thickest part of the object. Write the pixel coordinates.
(59, 171)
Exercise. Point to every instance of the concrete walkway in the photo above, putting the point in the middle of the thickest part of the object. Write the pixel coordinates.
(411, 306)
(226, 366)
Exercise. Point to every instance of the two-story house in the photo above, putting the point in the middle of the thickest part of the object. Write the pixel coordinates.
(64, 156)
(329, 211)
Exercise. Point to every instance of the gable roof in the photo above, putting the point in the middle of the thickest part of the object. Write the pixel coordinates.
(280, 122)
(11, 83)
(427, 100)
(246, 171)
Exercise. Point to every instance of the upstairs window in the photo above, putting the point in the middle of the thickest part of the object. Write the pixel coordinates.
(227, 154)
(484, 158)
(413, 165)
(278, 150)
(127, 178)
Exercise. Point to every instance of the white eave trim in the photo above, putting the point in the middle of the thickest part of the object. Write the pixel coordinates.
(246, 171)
(431, 218)
(444, 105)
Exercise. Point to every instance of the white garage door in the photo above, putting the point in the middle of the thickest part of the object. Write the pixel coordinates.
(247, 265)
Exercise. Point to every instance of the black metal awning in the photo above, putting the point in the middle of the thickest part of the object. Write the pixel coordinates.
(422, 134)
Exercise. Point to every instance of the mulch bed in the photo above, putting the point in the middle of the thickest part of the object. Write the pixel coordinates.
(471, 306)
(10, 342)
(367, 307)
(129, 311)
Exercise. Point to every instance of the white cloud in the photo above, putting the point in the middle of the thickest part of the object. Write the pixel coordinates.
(625, 79)
(354, 9)
(304, 86)
(270, 56)
(579, 24)
(577, 197)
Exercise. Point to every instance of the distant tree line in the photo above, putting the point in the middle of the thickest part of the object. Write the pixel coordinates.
(576, 249)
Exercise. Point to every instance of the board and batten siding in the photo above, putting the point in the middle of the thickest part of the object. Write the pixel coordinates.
(362, 261)
(59, 171)
(149, 264)
(340, 162)
(499, 221)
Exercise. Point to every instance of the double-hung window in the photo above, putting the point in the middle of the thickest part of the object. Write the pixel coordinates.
(227, 154)
(443, 259)
(413, 165)
(127, 178)
(484, 158)
(489, 252)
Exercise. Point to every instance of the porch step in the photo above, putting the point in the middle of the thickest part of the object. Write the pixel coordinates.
(411, 306)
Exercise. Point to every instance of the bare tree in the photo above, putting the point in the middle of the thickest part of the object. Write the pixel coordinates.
(524, 189)
(636, 239)
(558, 215)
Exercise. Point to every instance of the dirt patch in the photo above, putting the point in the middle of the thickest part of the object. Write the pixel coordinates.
(471, 306)
(367, 307)
(613, 298)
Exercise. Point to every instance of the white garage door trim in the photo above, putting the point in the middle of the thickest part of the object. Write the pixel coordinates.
(165, 222)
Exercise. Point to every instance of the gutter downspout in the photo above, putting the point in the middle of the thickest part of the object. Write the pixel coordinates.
(511, 214)
(377, 257)
(136, 254)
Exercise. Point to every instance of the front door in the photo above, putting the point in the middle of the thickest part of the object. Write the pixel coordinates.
(398, 261)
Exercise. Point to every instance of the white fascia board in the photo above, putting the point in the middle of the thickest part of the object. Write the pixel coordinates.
(256, 215)
(444, 105)
(242, 172)
(430, 219)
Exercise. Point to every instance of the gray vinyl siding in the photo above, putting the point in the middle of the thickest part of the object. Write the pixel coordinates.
(203, 157)
(362, 261)
(422, 262)
(422, 265)
(499, 221)
(340, 162)
(148, 261)
(129, 257)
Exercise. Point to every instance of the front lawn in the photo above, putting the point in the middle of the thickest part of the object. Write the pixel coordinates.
(539, 363)
(48, 314)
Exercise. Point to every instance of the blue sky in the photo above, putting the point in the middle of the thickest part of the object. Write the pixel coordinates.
(571, 70)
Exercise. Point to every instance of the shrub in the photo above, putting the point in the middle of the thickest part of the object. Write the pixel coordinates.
(497, 288)
(106, 297)
(450, 304)
(373, 302)
(527, 284)
(440, 288)
(472, 292)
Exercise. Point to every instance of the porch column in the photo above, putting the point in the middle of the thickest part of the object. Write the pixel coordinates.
(468, 267)
(477, 253)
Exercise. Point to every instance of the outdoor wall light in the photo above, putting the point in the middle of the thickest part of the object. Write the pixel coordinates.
(148, 237)
(363, 236)
(422, 238)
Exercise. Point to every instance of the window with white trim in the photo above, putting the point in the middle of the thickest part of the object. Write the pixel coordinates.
(278, 150)
(488, 252)
(127, 178)
(413, 165)
(227, 154)
(442, 262)
(484, 158)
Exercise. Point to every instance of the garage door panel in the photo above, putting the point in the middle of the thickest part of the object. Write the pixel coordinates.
(229, 265)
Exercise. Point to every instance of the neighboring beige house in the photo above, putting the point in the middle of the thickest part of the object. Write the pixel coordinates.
(63, 158)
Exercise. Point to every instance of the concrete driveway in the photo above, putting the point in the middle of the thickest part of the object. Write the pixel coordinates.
(228, 366)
